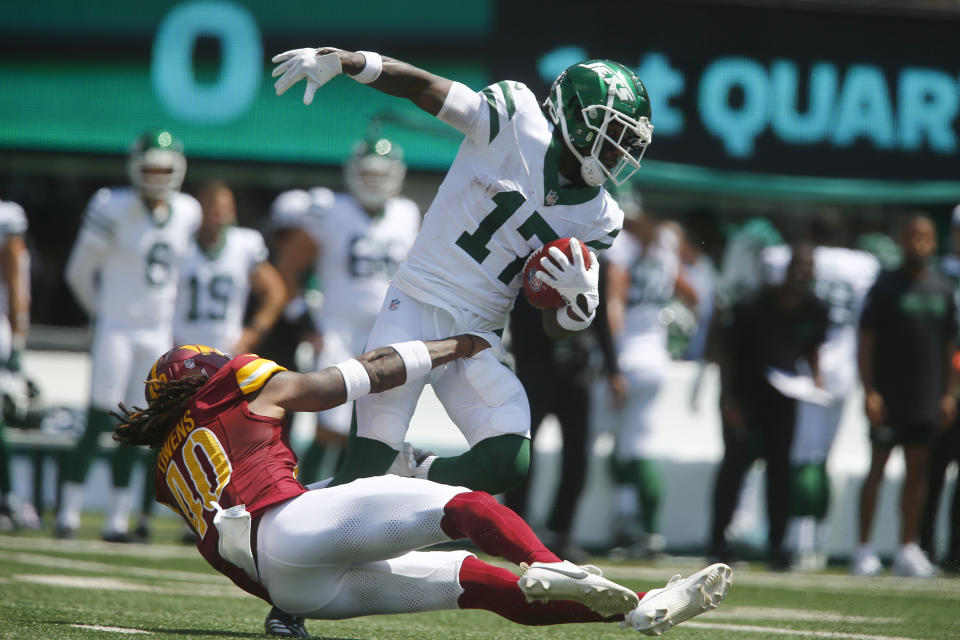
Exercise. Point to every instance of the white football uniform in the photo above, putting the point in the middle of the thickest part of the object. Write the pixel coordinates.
(356, 258)
(642, 353)
(13, 222)
(499, 202)
(123, 269)
(214, 287)
(842, 278)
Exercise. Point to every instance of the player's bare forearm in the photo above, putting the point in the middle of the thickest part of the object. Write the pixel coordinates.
(401, 79)
(321, 390)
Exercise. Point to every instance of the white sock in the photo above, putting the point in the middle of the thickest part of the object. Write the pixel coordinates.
(118, 511)
(423, 469)
(71, 505)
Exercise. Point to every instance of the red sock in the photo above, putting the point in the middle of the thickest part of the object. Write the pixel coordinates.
(494, 528)
(494, 589)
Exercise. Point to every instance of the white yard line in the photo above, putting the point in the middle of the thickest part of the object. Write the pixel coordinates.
(162, 551)
(40, 560)
(775, 613)
(97, 627)
(792, 632)
(114, 584)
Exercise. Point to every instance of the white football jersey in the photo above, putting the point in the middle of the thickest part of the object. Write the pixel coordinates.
(139, 257)
(13, 222)
(653, 278)
(357, 254)
(842, 279)
(214, 287)
(499, 202)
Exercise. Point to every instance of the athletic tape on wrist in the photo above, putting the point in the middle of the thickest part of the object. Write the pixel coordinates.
(372, 66)
(355, 378)
(568, 323)
(416, 358)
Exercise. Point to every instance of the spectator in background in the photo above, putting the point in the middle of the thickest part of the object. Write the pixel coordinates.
(946, 444)
(14, 324)
(842, 278)
(701, 273)
(907, 339)
(225, 265)
(351, 243)
(558, 377)
(774, 329)
(645, 272)
(123, 271)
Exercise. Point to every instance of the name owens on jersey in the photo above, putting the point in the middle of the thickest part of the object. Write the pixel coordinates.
(219, 451)
(500, 201)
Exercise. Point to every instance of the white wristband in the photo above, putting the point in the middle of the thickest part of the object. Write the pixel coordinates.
(355, 378)
(416, 358)
(568, 323)
(372, 66)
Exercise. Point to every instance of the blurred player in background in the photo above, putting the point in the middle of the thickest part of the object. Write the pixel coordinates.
(352, 243)
(14, 325)
(123, 271)
(644, 274)
(525, 174)
(908, 333)
(778, 328)
(841, 279)
(946, 445)
(224, 266)
(347, 551)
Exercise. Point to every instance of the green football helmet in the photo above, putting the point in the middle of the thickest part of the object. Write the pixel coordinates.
(375, 172)
(156, 165)
(589, 97)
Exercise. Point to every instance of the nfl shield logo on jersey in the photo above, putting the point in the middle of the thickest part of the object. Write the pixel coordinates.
(551, 198)
(394, 304)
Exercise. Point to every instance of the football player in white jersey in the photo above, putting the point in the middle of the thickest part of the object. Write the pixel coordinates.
(353, 243)
(644, 274)
(526, 173)
(225, 265)
(14, 324)
(123, 271)
(842, 278)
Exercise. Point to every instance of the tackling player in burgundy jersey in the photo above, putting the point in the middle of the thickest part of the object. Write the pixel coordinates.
(349, 550)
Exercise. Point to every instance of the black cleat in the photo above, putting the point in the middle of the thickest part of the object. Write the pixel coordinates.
(282, 624)
(62, 532)
(120, 537)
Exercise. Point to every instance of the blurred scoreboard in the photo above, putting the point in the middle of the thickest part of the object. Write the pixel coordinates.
(765, 97)
(89, 76)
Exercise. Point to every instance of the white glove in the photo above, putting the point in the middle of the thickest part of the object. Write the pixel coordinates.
(305, 63)
(573, 280)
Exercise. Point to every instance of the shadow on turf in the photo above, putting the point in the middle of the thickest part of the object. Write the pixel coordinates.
(184, 632)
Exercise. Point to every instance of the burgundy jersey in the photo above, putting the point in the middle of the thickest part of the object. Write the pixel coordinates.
(220, 451)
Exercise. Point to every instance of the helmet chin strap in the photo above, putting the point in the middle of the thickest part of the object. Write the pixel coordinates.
(592, 171)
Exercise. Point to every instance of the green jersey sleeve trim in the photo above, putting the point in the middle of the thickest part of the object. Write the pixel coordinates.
(494, 114)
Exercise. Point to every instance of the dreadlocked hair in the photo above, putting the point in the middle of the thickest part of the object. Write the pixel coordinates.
(149, 426)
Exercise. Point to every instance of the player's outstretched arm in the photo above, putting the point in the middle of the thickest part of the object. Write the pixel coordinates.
(372, 372)
(393, 77)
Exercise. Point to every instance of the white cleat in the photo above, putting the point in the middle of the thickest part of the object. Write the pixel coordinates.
(865, 562)
(550, 581)
(682, 598)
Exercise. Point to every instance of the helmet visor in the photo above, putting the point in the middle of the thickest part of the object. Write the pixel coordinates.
(620, 143)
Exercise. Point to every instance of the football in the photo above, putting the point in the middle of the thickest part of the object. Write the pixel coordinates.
(539, 294)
